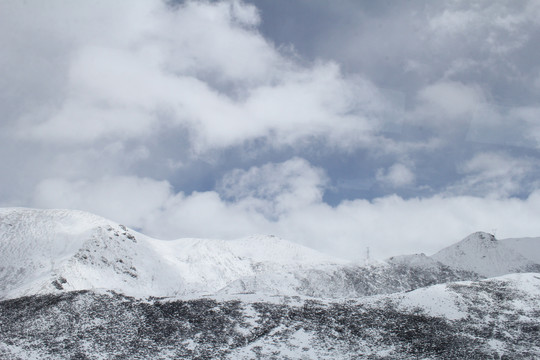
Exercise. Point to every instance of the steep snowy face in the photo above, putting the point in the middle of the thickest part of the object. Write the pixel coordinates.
(485, 255)
(33, 243)
(46, 251)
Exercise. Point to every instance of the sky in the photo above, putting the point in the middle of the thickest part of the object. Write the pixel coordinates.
(339, 125)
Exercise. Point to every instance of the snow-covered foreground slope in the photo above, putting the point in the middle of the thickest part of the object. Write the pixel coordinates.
(498, 318)
(487, 256)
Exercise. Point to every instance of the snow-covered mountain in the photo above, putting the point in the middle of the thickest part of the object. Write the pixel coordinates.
(487, 256)
(43, 251)
(77, 286)
(48, 251)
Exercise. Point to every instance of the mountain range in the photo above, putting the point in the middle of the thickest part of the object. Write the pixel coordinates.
(70, 280)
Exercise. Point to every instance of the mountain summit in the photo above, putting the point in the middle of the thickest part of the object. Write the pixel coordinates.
(483, 254)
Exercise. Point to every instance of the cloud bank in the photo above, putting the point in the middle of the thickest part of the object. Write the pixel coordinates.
(286, 199)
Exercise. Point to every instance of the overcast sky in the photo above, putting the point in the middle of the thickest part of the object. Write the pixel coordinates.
(402, 126)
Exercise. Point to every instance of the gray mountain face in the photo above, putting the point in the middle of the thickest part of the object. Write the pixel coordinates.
(351, 281)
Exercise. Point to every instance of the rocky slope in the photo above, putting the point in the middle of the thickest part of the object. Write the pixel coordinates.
(489, 319)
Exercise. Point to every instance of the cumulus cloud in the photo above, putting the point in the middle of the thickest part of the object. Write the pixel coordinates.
(123, 198)
(450, 99)
(275, 189)
(499, 23)
(526, 118)
(497, 174)
(198, 66)
(502, 125)
(397, 175)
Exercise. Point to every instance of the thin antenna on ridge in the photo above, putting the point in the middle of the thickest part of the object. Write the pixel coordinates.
(367, 254)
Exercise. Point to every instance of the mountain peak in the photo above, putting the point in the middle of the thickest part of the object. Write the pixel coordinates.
(480, 236)
(482, 253)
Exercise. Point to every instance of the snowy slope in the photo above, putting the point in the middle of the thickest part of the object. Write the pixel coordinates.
(44, 251)
(487, 256)
(256, 297)
(454, 301)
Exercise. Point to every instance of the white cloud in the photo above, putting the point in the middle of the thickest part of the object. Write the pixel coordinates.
(496, 174)
(500, 25)
(275, 189)
(396, 176)
(527, 117)
(446, 99)
(220, 39)
(454, 22)
(201, 66)
(515, 126)
(122, 198)
(493, 165)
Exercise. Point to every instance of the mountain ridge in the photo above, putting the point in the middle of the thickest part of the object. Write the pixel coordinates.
(48, 251)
